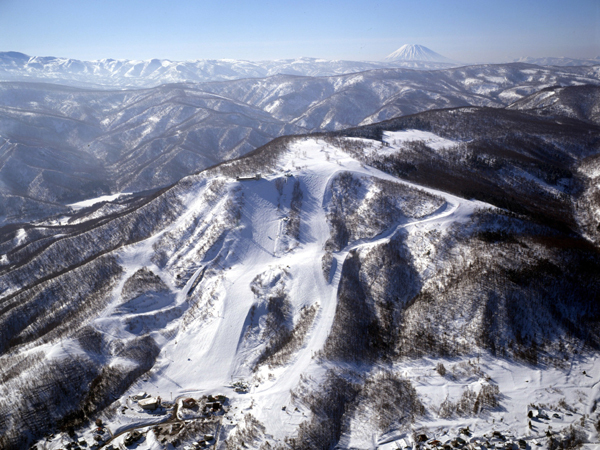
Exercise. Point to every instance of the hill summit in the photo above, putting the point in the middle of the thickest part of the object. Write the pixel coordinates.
(414, 52)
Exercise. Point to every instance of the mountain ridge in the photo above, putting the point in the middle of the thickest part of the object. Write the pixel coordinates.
(112, 141)
(559, 61)
(112, 73)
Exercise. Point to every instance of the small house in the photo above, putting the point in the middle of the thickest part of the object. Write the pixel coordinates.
(393, 445)
(257, 176)
(150, 403)
(189, 403)
(132, 437)
(537, 413)
(215, 406)
(139, 396)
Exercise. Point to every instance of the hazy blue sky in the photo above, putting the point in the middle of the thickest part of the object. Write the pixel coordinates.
(465, 30)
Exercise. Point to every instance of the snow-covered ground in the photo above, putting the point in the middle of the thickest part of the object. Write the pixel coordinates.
(92, 201)
(397, 139)
(569, 393)
(202, 323)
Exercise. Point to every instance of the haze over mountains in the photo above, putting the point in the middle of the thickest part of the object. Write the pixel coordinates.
(107, 73)
(560, 61)
(150, 73)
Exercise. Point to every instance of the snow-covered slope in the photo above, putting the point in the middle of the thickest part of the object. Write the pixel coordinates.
(415, 52)
(579, 102)
(347, 305)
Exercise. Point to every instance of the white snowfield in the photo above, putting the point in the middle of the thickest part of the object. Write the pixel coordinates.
(92, 201)
(398, 139)
(204, 326)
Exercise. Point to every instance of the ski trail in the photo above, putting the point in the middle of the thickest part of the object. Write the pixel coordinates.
(208, 355)
(278, 392)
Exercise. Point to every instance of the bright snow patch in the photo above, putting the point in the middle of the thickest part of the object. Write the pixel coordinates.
(397, 139)
(92, 201)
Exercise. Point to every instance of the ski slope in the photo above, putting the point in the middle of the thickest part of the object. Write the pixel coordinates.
(207, 357)
(207, 351)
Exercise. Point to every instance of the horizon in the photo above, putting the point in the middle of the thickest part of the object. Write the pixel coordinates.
(468, 32)
(382, 60)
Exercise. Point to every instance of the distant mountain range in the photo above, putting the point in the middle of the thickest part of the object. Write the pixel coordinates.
(113, 73)
(154, 72)
(560, 61)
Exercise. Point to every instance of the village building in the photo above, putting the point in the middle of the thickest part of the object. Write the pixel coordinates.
(132, 437)
(189, 403)
(150, 403)
(258, 176)
(139, 396)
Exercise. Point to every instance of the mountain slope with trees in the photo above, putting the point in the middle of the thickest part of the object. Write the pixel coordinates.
(329, 288)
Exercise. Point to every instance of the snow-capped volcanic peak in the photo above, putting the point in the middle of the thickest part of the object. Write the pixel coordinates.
(414, 52)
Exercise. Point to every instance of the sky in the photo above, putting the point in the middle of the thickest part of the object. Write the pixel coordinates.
(464, 30)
